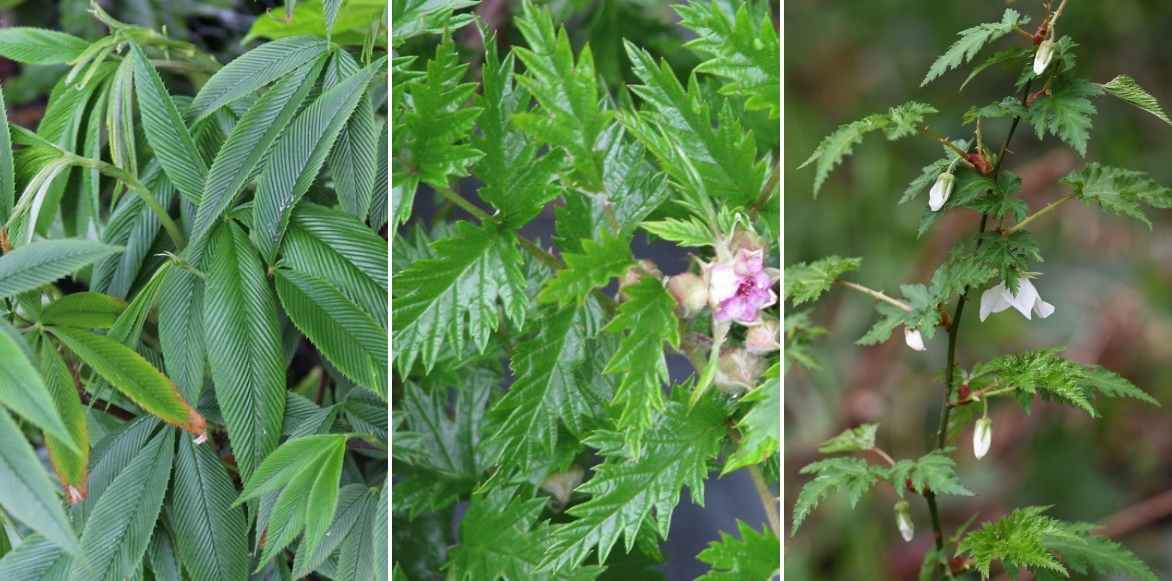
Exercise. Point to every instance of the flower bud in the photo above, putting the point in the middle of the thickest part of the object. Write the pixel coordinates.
(982, 437)
(903, 519)
(75, 495)
(1043, 56)
(690, 292)
(738, 371)
(637, 272)
(940, 191)
(561, 484)
(763, 338)
(746, 240)
(913, 338)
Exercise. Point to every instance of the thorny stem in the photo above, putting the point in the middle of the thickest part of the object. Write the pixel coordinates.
(954, 335)
(768, 501)
(1046, 210)
(877, 295)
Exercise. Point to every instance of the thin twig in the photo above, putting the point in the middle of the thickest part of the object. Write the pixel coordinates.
(1046, 210)
(877, 295)
(768, 501)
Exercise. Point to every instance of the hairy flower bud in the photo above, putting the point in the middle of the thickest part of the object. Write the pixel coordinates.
(940, 191)
(690, 292)
(636, 273)
(738, 371)
(982, 437)
(746, 240)
(763, 338)
(913, 338)
(903, 519)
(561, 484)
(1043, 57)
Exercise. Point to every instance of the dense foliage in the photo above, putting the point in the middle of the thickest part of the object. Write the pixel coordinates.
(1054, 101)
(193, 298)
(591, 441)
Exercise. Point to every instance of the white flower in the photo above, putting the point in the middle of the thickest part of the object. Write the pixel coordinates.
(1026, 301)
(903, 520)
(913, 338)
(982, 437)
(940, 191)
(1043, 56)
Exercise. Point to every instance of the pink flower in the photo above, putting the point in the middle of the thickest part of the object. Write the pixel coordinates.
(740, 288)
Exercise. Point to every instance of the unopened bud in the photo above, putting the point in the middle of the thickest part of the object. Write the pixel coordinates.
(964, 392)
(637, 273)
(75, 495)
(982, 437)
(690, 292)
(746, 240)
(763, 338)
(738, 371)
(914, 339)
(1043, 56)
(903, 519)
(561, 484)
(940, 191)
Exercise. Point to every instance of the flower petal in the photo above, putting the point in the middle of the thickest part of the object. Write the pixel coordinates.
(914, 339)
(995, 300)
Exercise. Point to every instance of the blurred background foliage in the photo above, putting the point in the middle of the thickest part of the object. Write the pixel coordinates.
(1109, 277)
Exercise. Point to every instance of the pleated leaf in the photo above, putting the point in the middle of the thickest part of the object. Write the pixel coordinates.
(70, 459)
(180, 323)
(244, 346)
(353, 158)
(87, 310)
(7, 169)
(44, 261)
(36, 559)
(119, 529)
(340, 330)
(133, 376)
(26, 493)
(255, 69)
(210, 534)
(37, 46)
(23, 391)
(354, 502)
(165, 130)
(298, 156)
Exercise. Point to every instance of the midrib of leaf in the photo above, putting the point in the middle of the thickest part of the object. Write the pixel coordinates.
(254, 69)
(20, 463)
(208, 535)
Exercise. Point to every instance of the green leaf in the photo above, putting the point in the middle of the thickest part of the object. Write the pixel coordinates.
(806, 281)
(440, 301)
(299, 154)
(411, 18)
(1118, 191)
(971, 41)
(924, 315)
(349, 338)
(23, 391)
(688, 232)
(119, 529)
(756, 555)
(37, 46)
(899, 121)
(1127, 89)
(134, 226)
(357, 560)
(594, 267)
(761, 426)
(7, 170)
(707, 157)
(515, 179)
(36, 559)
(244, 346)
(353, 158)
(1085, 552)
(27, 494)
(210, 534)
(646, 320)
(935, 472)
(87, 310)
(133, 376)
(857, 439)
(851, 475)
(1028, 538)
(1054, 377)
(269, 62)
(352, 26)
(624, 491)
(250, 140)
(180, 324)
(44, 261)
(165, 130)
(570, 115)
(550, 388)
(70, 458)
(741, 49)
(1066, 113)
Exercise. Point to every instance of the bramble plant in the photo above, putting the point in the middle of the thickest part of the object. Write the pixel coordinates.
(193, 299)
(997, 262)
(591, 441)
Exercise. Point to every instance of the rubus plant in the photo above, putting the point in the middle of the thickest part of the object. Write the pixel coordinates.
(997, 261)
(193, 315)
(532, 382)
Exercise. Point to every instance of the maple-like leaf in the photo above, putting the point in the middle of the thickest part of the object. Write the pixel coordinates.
(753, 557)
(741, 48)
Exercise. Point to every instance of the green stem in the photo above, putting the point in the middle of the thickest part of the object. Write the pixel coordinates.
(1046, 210)
(143, 192)
(768, 501)
(464, 204)
(877, 295)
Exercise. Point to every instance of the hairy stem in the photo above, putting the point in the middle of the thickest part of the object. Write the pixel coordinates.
(768, 501)
(877, 295)
(1046, 210)
(767, 191)
(954, 335)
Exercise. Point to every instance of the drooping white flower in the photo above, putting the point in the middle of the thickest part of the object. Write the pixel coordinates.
(913, 338)
(1043, 56)
(1027, 301)
(940, 191)
(982, 437)
(903, 520)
